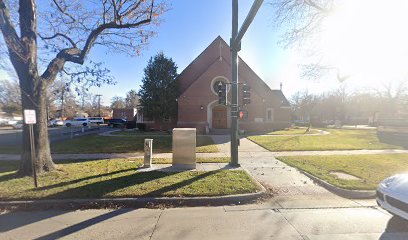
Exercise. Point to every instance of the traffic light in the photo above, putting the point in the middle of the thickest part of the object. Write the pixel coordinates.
(222, 93)
(246, 94)
(243, 114)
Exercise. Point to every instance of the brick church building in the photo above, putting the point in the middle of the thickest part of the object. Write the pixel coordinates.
(198, 100)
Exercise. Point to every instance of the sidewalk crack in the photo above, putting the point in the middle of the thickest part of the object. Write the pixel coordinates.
(155, 226)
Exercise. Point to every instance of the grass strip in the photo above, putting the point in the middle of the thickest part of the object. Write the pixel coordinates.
(199, 160)
(125, 144)
(338, 139)
(117, 178)
(293, 131)
(371, 169)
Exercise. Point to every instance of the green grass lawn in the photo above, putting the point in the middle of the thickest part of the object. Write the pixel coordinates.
(293, 131)
(117, 178)
(10, 149)
(371, 169)
(199, 160)
(139, 133)
(125, 144)
(338, 139)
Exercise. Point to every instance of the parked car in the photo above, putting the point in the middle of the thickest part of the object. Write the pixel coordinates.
(18, 125)
(117, 122)
(11, 122)
(3, 122)
(76, 122)
(96, 120)
(392, 195)
(56, 122)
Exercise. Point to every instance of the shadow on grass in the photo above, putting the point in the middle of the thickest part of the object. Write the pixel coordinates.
(101, 188)
(9, 176)
(159, 192)
(8, 170)
(69, 161)
(204, 141)
(81, 179)
(394, 139)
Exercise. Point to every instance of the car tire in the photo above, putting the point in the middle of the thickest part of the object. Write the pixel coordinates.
(68, 125)
(84, 124)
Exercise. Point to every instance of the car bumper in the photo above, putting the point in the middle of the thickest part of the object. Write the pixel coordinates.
(392, 204)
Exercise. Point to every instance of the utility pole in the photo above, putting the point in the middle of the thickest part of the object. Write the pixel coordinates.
(235, 45)
(99, 104)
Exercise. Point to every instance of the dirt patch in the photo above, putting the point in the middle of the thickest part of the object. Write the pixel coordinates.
(344, 176)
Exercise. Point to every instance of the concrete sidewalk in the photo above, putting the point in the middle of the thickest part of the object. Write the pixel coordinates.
(245, 151)
(203, 223)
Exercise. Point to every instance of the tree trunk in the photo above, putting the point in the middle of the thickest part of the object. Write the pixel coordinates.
(34, 96)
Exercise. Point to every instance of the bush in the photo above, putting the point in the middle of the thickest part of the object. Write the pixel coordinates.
(141, 126)
(131, 124)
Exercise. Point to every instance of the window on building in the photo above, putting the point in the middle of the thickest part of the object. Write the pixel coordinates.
(269, 114)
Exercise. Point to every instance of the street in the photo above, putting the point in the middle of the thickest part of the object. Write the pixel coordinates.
(10, 137)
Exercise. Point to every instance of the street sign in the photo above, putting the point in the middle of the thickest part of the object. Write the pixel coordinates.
(29, 116)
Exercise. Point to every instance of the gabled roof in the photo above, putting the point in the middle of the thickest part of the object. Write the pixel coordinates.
(211, 54)
(280, 95)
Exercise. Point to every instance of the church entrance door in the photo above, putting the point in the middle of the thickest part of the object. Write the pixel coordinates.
(219, 117)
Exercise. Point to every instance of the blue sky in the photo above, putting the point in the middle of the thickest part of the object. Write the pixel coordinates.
(189, 27)
(371, 49)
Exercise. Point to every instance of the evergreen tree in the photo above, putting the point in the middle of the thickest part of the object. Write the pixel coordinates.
(159, 89)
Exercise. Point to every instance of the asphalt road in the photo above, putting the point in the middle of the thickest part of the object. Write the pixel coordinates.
(10, 137)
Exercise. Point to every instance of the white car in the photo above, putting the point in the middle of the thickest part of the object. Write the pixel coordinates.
(3, 122)
(11, 122)
(392, 195)
(96, 120)
(77, 122)
(56, 122)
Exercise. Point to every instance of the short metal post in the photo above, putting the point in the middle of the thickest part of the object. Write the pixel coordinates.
(32, 148)
(148, 151)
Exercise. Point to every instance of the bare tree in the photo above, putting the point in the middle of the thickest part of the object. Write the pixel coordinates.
(132, 99)
(393, 96)
(303, 22)
(61, 36)
(302, 19)
(10, 96)
(118, 102)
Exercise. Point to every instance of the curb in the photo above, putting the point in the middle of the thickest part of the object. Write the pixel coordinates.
(136, 202)
(346, 193)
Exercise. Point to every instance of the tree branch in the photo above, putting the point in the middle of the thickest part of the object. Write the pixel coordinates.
(59, 35)
(63, 11)
(78, 56)
(13, 42)
(313, 4)
(112, 25)
(57, 64)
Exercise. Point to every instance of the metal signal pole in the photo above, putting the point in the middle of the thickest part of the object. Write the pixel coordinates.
(99, 104)
(235, 45)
